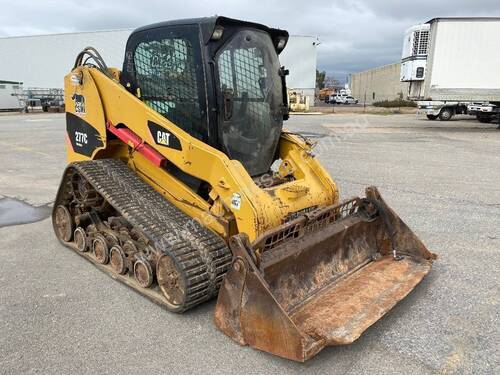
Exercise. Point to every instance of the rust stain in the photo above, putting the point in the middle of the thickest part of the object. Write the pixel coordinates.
(343, 312)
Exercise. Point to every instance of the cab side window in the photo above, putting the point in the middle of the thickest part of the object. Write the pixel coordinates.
(166, 73)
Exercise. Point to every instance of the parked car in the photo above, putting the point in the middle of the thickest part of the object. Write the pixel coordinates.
(343, 99)
(350, 100)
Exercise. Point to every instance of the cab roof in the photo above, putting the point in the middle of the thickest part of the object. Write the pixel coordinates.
(207, 26)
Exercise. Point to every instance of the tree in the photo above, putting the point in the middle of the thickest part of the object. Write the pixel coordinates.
(320, 79)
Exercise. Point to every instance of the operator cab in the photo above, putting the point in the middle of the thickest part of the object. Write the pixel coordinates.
(218, 79)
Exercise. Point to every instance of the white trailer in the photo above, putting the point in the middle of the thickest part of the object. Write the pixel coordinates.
(9, 91)
(453, 66)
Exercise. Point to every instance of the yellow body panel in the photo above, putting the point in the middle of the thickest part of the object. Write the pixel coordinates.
(261, 209)
(94, 113)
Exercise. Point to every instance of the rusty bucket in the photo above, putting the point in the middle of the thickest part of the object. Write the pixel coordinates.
(321, 279)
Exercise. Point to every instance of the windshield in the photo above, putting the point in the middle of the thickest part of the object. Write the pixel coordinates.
(250, 92)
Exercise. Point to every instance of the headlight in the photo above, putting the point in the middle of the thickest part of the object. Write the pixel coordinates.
(217, 34)
(281, 44)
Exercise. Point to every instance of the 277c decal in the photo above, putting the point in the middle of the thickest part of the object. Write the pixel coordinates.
(84, 138)
(81, 139)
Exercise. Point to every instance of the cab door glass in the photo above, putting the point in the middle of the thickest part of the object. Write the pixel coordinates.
(249, 89)
(167, 75)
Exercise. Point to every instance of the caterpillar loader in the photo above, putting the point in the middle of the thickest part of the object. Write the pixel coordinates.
(183, 184)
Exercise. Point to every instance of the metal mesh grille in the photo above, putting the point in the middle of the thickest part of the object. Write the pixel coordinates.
(246, 72)
(241, 70)
(416, 38)
(420, 42)
(309, 223)
(166, 74)
(251, 100)
(338, 212)
(283, 235)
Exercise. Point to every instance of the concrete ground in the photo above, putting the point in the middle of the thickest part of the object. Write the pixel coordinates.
(360, 108)
(58, 314)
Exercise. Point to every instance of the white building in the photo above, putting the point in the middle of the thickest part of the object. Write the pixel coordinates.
(299, 57)
(44, 60)
(9, 91)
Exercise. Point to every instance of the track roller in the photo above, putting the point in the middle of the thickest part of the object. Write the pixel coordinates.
(143, 272)
(80, 238)
(118, 259)
(100, 249)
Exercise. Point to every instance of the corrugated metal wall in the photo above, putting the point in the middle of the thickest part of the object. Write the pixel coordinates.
(44, 60)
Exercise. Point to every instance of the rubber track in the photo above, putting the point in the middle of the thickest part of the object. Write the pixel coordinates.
(201, 255)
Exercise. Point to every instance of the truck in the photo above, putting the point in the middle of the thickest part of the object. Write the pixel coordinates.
(451, 65)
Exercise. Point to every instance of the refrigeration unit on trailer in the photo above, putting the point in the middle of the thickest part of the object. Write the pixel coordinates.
(414, 58)
(452, 67)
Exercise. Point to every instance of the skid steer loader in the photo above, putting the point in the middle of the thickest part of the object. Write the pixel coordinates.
(183, 184)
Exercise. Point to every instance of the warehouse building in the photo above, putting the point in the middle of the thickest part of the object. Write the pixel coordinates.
(377, 84)
(43, 60)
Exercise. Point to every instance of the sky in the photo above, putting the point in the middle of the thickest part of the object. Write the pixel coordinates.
(354, 35)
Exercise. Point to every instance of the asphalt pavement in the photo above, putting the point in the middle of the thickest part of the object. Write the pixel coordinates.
(59, 314)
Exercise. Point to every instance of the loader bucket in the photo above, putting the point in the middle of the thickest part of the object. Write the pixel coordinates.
(321, 279)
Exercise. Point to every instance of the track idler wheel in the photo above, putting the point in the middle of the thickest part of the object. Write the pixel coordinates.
(63, 223)
(117, 259)
(100, 249)
(143, 272)
(80, 238)
(171, 283)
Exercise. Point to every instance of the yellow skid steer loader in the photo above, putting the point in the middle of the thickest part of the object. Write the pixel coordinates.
(182, 184)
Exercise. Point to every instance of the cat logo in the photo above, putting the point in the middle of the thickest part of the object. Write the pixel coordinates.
(163, 138)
